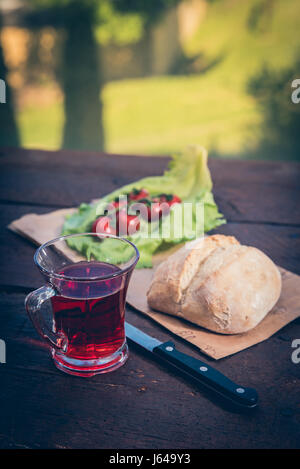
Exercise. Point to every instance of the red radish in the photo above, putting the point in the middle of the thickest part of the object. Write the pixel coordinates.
(155, 209)
(137, 194)
(142, 207)
(160, 208)
(115, 205)
(170, 199)
(119, 203)
(127, 224)
(175, 200)
(102, 225)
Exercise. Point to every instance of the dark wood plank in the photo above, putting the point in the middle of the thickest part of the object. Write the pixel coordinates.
(43, 408)
(17, 268)
(258, 191)
(244, 190)
(66, 178)
(263, 172)
(258, 203)
(281, 243)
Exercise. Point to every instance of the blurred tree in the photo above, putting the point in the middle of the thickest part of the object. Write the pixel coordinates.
(80, 74)
(281, 126)
(261, 13)
(150, 11)
(81, 80)
(8, 129)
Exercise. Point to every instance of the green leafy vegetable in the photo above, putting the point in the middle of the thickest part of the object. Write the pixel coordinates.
(189, 178)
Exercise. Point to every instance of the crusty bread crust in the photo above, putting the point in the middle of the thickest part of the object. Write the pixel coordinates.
(218, 284)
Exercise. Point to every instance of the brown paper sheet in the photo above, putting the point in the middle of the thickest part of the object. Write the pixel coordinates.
(42, 228)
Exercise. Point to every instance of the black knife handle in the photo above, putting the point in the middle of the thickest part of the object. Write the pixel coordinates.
(207, 375)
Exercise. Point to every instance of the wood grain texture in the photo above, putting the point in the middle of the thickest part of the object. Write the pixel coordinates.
(143, 404)
(30, 176)
(35, 177)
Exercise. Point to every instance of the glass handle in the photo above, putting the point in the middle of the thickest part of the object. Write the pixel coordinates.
(33, 304)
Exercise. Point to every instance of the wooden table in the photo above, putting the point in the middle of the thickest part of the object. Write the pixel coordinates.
(142, 405)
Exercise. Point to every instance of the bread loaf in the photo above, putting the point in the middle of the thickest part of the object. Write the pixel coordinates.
(218, 284)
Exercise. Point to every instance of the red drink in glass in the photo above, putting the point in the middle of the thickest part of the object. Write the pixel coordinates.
(87, 336)
(92, 318)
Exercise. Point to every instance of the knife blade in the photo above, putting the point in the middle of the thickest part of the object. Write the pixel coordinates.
(198, 370)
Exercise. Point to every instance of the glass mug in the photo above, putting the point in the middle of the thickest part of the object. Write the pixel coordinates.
(87, 330)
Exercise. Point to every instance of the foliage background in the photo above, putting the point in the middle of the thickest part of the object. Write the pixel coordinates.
(228, 88)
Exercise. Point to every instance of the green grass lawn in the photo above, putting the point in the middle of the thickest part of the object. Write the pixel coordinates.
(162, 114)
(41, 127)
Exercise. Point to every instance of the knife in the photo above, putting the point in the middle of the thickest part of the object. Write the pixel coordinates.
(201, 372)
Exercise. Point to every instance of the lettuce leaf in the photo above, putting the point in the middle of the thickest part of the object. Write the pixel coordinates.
(189, 178)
